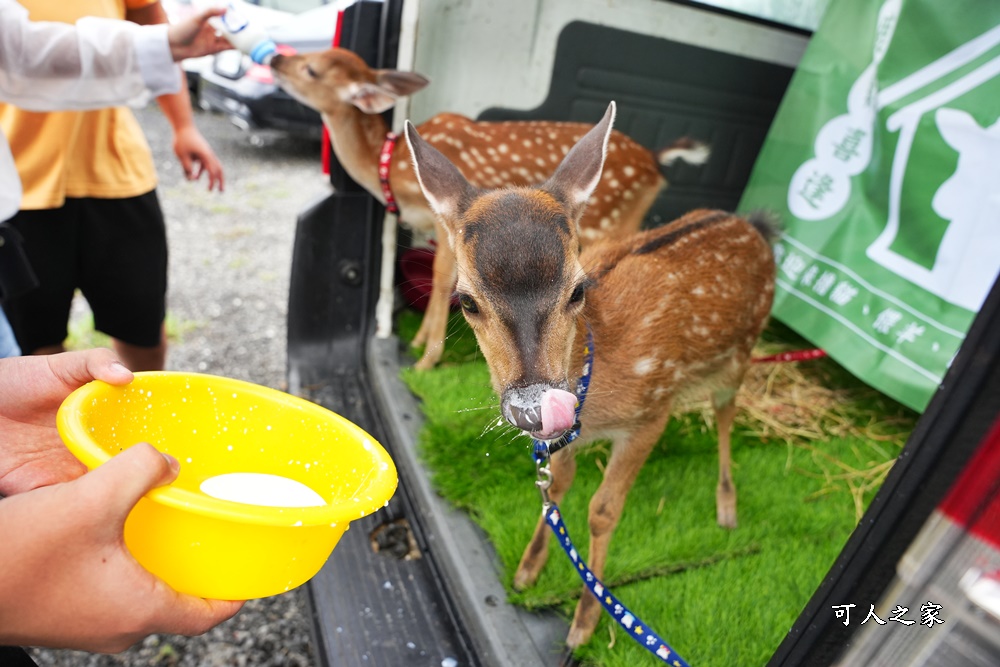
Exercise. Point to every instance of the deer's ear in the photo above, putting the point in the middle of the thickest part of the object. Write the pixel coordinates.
(580, 171)
(400, 83)
(370, 98)
(444, 186)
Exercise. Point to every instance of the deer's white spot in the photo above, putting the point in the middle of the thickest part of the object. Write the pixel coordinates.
(527, 143)
(605, 223)
(502, 148)
(698, 291)
(645, 365)
(515, 158)
(649, 320)
(629, 171)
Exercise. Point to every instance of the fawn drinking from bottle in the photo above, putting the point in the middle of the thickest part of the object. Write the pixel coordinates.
(671, 311)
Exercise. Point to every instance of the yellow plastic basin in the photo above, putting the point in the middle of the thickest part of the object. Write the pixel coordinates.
(222, 549)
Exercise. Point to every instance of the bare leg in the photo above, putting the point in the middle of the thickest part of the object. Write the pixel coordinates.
(435, 323)
(138, 358)
(724, 402)
(627, 458)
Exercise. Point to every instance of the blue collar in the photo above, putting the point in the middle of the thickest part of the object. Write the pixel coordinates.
(543, 449)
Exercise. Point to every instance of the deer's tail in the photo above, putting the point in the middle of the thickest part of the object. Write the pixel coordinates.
(687, 149)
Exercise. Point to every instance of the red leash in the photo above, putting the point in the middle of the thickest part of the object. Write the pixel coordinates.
(384, 158)
(796, 355)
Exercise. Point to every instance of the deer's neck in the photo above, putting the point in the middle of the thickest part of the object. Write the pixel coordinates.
(357, 139)
(584, 324)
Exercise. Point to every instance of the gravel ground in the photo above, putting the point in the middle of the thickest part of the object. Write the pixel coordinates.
(230, 258)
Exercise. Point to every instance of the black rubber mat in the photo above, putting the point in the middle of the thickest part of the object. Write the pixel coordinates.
(384, 606)
(665, 90)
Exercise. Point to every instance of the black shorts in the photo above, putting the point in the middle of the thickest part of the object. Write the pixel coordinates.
(113, 250)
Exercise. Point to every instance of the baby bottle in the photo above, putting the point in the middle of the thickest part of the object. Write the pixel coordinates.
(242, 32)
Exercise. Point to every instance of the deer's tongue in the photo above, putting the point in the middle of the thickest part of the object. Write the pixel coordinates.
(558, 412)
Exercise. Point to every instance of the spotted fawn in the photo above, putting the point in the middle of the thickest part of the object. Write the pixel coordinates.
(671, 311)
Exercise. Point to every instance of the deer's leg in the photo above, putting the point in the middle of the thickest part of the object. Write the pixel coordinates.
(627, 458)
(563, 467)
(724, 403)
(435, 323)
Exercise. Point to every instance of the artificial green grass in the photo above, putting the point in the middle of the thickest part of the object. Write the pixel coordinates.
(720, 598)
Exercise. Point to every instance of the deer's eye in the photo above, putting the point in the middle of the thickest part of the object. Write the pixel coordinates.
(311, 72)
(468, 304)
(577, 295)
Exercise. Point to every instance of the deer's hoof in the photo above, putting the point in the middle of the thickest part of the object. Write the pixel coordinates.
(726, 516)
(578, 636)
(425, 364)
(523, 580)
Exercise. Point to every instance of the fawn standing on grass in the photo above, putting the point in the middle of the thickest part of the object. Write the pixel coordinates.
(671, 310)
(350, 96)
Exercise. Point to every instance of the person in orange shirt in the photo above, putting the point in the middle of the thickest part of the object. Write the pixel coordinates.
(90, 216)
(66, 576)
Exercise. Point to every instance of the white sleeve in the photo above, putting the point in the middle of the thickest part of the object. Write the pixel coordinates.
(47, 66)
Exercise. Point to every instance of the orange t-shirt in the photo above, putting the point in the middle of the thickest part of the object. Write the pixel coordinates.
(61, 154)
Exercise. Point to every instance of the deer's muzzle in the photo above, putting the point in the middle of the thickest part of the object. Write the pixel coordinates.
(542, 411)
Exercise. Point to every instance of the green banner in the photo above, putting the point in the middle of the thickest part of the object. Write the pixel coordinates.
(884, 165)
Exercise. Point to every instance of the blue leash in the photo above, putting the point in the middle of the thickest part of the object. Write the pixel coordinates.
(543, 451)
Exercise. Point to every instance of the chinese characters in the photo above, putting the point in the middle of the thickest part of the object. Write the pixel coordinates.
(929, 615)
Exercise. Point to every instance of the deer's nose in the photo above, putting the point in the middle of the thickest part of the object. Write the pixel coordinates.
(541, 410)
(522, 406)
(527, 419)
